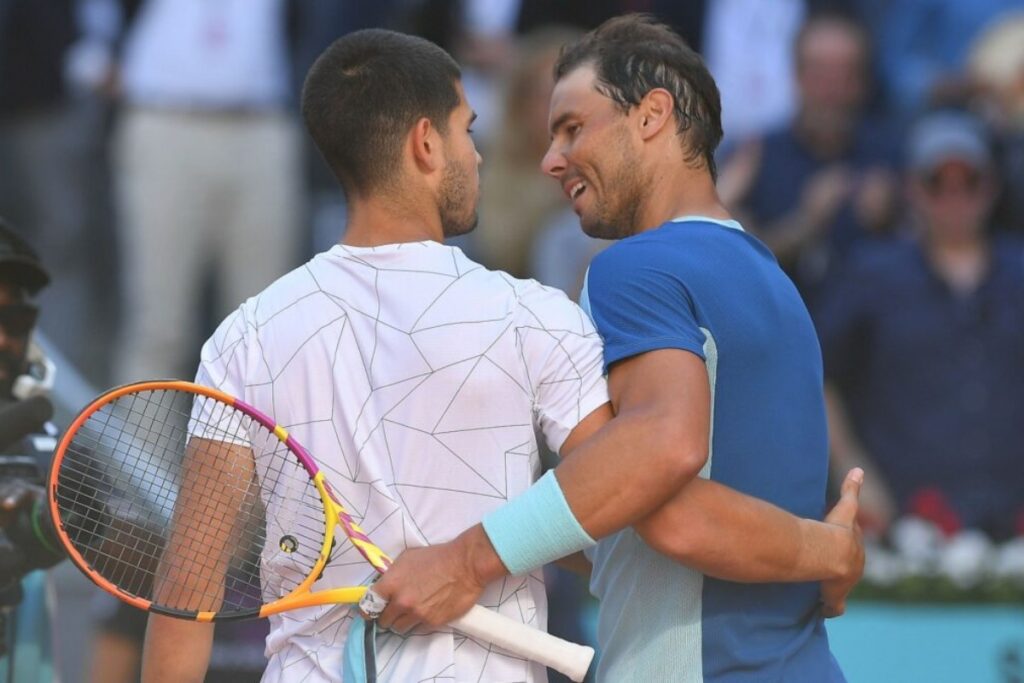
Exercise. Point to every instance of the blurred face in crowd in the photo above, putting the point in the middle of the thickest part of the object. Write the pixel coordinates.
(954, 200)
(831, 65)
(17, 318)
(459, 191)
(594, 157)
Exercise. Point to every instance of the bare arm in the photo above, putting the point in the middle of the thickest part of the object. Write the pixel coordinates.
(176, 651)
(735, 537)
(194, 563)
(628, 468)
(656, 444)
(615, 475)
(731, 536)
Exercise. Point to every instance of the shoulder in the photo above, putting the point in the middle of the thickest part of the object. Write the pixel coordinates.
(646, 250)
(284, 300)
(538, 305)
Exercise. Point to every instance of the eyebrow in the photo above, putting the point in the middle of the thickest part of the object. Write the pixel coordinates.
(560, 121)
(473, 117)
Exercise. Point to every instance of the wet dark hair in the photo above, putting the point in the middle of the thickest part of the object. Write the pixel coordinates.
(364, 93)
(634, 54)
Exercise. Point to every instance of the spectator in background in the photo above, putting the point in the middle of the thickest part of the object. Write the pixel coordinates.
(813, 189)
(924, 348)
(49, 184)
(923, 47)
(736, 31)
(207, 168)
(25, 613)
(996, 64)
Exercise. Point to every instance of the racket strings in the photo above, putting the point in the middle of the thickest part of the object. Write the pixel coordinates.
(186, 501)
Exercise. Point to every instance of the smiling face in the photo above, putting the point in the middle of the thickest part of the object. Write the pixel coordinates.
(459, 190)
(595, 156)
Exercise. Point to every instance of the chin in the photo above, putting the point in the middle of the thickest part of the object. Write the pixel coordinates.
(602, 230)
(461, 227)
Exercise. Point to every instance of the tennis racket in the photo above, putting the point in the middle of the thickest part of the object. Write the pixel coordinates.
(184, 501)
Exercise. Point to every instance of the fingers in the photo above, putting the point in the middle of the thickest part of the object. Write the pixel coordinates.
(851, 485)
(404, 625)
(398, 619)
(390, 615)
(832, 611)
(372, 605)
(845, 511)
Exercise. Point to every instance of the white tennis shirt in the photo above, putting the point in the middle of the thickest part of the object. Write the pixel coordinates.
(419, 381)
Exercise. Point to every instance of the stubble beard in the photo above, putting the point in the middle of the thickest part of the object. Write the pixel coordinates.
(617, 216)
(457, 209)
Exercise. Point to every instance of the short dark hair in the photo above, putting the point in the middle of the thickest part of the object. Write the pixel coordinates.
(364, 93)
(634, 54)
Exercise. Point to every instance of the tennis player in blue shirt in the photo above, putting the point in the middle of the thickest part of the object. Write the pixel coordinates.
(714, 370)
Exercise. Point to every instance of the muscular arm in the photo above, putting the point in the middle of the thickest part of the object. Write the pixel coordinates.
(729, 535)
(657, 442)
(627, 468)
(616, 474)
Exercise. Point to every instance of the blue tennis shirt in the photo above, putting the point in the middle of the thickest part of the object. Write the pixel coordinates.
(709, 288)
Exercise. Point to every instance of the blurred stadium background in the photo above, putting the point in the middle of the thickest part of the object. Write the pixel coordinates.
(151, 151)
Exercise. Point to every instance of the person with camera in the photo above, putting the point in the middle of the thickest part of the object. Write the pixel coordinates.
(27, 439)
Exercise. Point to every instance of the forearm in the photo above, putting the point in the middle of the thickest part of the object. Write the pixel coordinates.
(620, 475)
(732, 536)
(613, 476)
(176, 651)
(626, 471)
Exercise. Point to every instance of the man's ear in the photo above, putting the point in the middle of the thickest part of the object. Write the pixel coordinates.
(655, 112)
(427, 150)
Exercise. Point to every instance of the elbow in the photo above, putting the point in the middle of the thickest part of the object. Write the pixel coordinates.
(680, 457)
(677, 530)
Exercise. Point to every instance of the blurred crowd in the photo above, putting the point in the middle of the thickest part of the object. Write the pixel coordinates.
(152, 153)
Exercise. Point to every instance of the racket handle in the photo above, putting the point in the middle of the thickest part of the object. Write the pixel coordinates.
(571, 659)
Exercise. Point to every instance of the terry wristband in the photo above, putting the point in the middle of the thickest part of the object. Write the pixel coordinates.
(535, 528)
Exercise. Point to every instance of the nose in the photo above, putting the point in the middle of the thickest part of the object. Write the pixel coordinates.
(553, 163)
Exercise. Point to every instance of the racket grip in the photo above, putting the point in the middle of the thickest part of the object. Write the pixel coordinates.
(515, 637)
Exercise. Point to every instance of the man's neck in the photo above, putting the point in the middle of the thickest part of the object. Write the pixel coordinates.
(373, 222)
(684, 192)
